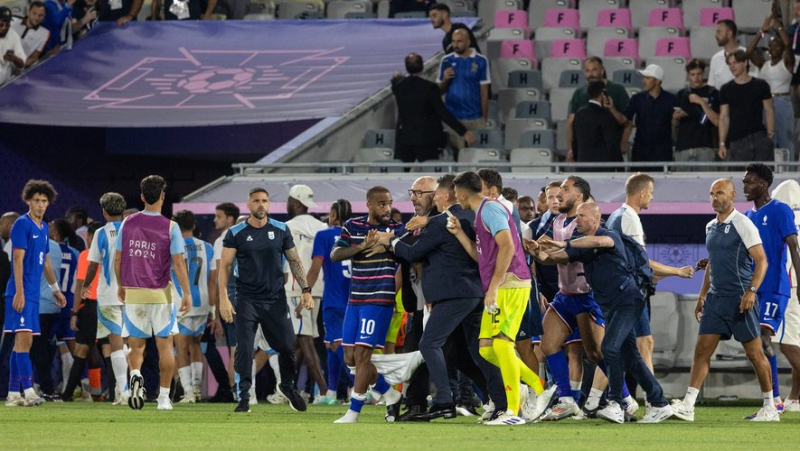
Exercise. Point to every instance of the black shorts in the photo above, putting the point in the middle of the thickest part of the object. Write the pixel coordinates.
(87, 323)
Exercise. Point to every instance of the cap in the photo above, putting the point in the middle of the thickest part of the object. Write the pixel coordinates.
(303, 194)
(653, 71)
(5, 14)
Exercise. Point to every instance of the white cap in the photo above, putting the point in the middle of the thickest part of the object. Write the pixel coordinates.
(303, 194)
(653, 71)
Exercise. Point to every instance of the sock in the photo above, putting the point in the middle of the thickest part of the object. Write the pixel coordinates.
(357, 401)
(96, 381)
(509, 369)
(163, 393)
(575, 387)
(13, 375)
(273, 363)
(252, 391)
(136, 373)
(768, 402)
(776, 389)
(559, 368)
(381, 386)
(334, 370)
(66, 366)
(74, 378)
(330, 394)
(691, 396)
(627, 400)
(185, 375)
(197, 374)
(593, 401)
(120, 366)
(24, 370)
(529, 377)
(236, 382)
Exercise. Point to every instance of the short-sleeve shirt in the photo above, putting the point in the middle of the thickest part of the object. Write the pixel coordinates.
(718, 71)
(624, 220)
(653, 118)
(103, 253)
(463, 96)
(605, 269)
(259, 265)
(34, 240)
(199, 264)
(373, 278)
(774, 221)
(727, 244)
(337, 274)
(10, 42)
(33, 39)
(696, 129)
(617, 93)
(47, 301)
(746, 106)
(83, 268)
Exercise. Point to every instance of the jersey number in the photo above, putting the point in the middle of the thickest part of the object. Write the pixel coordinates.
(65, 282)
(774, 308)
(494, 317)
(199, 262)
(346, 268)
(367, 326)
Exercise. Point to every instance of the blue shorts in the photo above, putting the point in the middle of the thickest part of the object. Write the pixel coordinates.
(772, 307)
(643, 325)
(721, 317)
(333, 320)
(574, 337)
(568, 307)
(526, 325)
(366, 325)
(27, 321)
(61, 329)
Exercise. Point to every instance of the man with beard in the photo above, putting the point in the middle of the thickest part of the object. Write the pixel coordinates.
(10, 47)
(719, 73)
(33, 36)
(440, 19)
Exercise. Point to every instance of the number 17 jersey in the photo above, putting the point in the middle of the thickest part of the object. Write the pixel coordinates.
(337, 274)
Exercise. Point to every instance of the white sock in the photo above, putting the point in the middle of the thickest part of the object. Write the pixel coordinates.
(185, 374)
(253, 382)
(575, 385)
(120, 365)
(691, 396)
(776, 400)
(85, 385)
(197, 374)
(273, 363)
(330, 394)
(163, 393)
(768, 403)
(30, 393)
(628, 400)
(593, 401)
(66, 366)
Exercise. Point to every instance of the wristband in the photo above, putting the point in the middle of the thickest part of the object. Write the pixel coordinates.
(213, 314)
(568, 245)
(306, 290)
(54, 287)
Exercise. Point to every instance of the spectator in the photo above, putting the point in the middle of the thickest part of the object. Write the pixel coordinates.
(34, 36)
(596, 132)
(527, 208)
(719, 73)
(696, 117)
(183, 9)
(745, 106)
(464, 80)
(84, 16)
(407, 6)
(119, 11)
(440, 19)
(652, 109)
(10, 47)
(56, 17)
(777, 72)
(6, 221)
(593, 70)
(420, 113)
(78, 219)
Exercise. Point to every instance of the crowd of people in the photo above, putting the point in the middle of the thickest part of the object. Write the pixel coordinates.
(504, 298)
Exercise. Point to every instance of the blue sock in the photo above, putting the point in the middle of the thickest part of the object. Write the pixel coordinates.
(334, 370)
(625, 391)
(13, 374)
(576, 394)
(25, 370)
(357, 402)
(560, 370)
(381, 386)
(773, 364)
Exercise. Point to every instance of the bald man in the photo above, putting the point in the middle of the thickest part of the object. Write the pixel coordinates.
(727, 305)
(604, 259)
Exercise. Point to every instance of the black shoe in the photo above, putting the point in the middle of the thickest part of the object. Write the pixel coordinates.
(222, 395)
(466, 410)
(495, 415)
(52, 398)
(296, 401)
(629, 418)
(436, 411)
(590, 413)
(410, 412)
(243, 406)
(392, 412)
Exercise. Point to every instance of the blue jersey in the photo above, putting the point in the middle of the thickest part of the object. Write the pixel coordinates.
(463, 97)
(65, 266)
(727, 244)
(47, 301)
(337, 274)
(34, 240)
(774, 221)
(199, 263)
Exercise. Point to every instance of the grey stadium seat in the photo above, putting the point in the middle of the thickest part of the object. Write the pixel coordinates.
(674, 72)
(530, 79)
(664, 306)
(459, 7)
(501, 67)
(487, 8)
(530, 155)
(370, 154)
(263, 17)
(477, 154)
(386, 169)
(596, 39)
(571, 79)
(488, 139)
(296, 10)
(628, 78)
(338, 9)
(544, 139)
(702, 42)
(516, 127)
(692, 9)
(411, 15)
(640, 10)
(750, 14)
(544, 38)
(559, 103)
(533, 109)
(615, 63)
(561, 138)
(507, 101)
(379, 138)
(553, 67)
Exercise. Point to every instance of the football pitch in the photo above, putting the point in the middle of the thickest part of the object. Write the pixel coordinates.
(214, 426)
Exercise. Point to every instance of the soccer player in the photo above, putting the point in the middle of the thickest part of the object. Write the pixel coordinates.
(506, 280)
(146, 244)
(110, 311)
(30, 246)
(192, 324)
(725, 306)
(372, 297)
(335, 294)
(257, 245)
(225, 216)
(775, 223)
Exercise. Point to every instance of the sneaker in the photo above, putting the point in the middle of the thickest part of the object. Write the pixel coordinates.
(767, 414)
(632, 407)
(198, 394)
(52, 398)
(791, 405)
(612, 413)
(296, 401)
(488, 412)
(587, 414)
(466, 410)
(561, 411)
(321, 401)
(243, 406)
(187, 399)
(122, 399)
(33, 401)
(14, 400)
(164, 403)
(681, 411)
(136, 400)
(656, 414)
(506, 418)
(276, 398)
(542, 402)
(349, 418)
(524, 395)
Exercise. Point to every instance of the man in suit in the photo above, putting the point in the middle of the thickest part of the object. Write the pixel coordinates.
(420, 112)
(454, 304)
(597, 135)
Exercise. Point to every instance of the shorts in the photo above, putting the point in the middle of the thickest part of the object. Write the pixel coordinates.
(193, 326)
(333, 319)
(148, 320)
(307, 324)
(789, 331)
(87, 323)
(261, 342)
(643, 325)
(110, 321)
(25, 321)
(568, 307)
(721, 317)
(574, 337)
(61, 329)
(366, 325)
(772, 307)
(511, 306)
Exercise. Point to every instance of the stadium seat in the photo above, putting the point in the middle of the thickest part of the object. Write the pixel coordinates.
(494, 41)
(379, 138)
(383, 9)
(460, 7)
(596, 39)
(674, 72)
(370, 154)
(589, 10)
(750, 14)
(649, 37)
(507, 100)
(543, 139)
(615, 63)
(692, 9)
(622, 48)
(674, 47)
(562, 18)
(545, 36)
(259, 17)
(478, 154)
(298, 10)
(338, 9)
(553, 67)
(529, 79)
(664, 306)
(431, 167)
(501, 67)
(487, 8)
(702, 42)
(386, 169)
(331, 166)
(516, 127)
(568, 48)
(640, 10)
(536, 20)
(261, 7)
(517, 48)
(615, 18)
(530, 155)
(533, 109)
(411, 15)
(17, 7)
(559, 102)
(666, 17)
(571, 79)
(511, 19)
(628, 78)
(561, 138)
(360, 15)
(488, 139)
(710, 16)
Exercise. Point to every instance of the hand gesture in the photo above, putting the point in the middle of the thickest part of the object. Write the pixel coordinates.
(307, 301)
(370, 240)
(449, 74)
(123, 20)
(608, 102)
(453, 225)
(385, 238)
(490, 302)
(701, 264)
(687, 272)
(549, 245)
(531, 246)
(696, 99)
(417, 222)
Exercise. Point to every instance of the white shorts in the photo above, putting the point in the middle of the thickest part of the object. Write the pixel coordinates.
(261, 342)
(193, 326)
(110, 321)
(307, 324)
(789, 331)
(148, 320)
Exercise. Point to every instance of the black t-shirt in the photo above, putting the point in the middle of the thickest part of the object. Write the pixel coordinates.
(105, 13)
(696, 130)
(746, 106)
(447, 41)
(259, 260)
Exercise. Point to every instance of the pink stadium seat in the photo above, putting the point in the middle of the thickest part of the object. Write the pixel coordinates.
(562, 18)
(517, 48)
(511, 19)
(624, 48)
(568, 48)
(617, 18)
(666, 17)
(710, 16)
(674, 47)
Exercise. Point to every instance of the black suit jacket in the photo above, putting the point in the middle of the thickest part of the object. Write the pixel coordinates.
(448, 272)
(420, 112)
(597, 135)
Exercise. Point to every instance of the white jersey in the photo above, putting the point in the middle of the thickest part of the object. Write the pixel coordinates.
(200, 262)
(632, 224)
(103, 252)
(304, 228)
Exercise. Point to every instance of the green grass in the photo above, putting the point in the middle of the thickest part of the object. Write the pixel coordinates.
(204, 427)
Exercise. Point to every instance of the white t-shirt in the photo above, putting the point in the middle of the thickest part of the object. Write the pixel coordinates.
(10, 42)
(719, 73)
(304, 228)
(632, 224)
(33, 39)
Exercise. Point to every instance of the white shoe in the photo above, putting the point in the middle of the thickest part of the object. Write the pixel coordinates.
(524, 394)
(392, 397)
(791, 405)
(86, 397)
(14, 400)
(767, 414)
(164, 404)
(543, 402)
(349, 418)
(488, 411)
(681, 410)
(253, 401)
(656, 414)
(198, 394)
(187, 399)
(277, 398)
(561, 411)
(506, 419)
(33, 401)
(122, 400)
(632, 407)
(612, 412)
